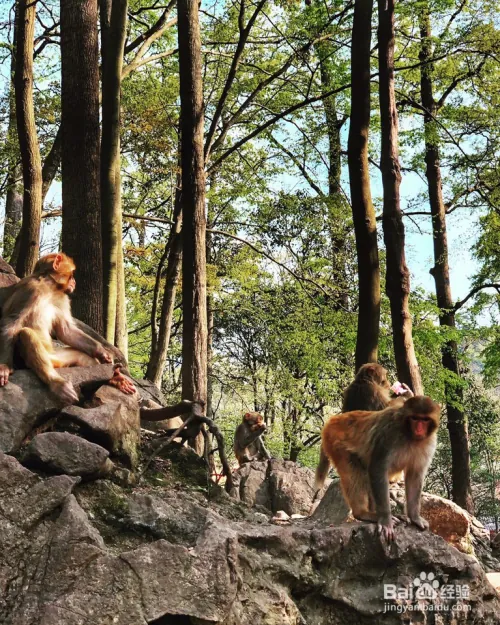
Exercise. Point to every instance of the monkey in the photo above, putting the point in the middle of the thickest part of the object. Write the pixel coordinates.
(371, 390)
(38, 308)
(367, 448)
(248, 445)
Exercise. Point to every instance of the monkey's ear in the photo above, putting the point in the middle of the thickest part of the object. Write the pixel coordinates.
(57, 262)
(247, 415)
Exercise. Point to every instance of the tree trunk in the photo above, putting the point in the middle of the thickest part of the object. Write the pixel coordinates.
(365, 228)
(194, 297)
(337, 206)
(121, 331)
(397, 274)
(457, 424)
(156, 364)
(81, 223)
(14, 196)
(113, 33)
(28, 140)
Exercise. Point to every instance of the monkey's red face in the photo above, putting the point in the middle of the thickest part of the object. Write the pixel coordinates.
(420, 427)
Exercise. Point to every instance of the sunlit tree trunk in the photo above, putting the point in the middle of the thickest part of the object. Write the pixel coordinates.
(113, 33)
(14, 195)
(156, 364)
(397, 274)
(359, 177)
(28, 140)
(81, 222)
(194, 297)
(457, 424)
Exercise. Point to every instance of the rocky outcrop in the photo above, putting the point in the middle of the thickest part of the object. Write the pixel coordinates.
(275, 485)
(61, 452)
(180, 559)
(445, 518)
(105, 417)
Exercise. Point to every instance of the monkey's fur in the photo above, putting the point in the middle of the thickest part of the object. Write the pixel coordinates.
(367, 448)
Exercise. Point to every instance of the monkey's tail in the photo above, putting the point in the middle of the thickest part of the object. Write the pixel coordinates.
(321, 470)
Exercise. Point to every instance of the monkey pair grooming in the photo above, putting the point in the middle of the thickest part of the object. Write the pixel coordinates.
(37, 309)
(248, 445)
(367, 448)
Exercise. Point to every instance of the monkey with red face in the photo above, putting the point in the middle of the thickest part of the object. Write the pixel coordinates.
(367, 448)
(38, 309)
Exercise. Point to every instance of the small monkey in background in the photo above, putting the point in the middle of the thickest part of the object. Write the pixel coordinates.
(248, 444)
(37, 309)
(371, 390)
(367, 448)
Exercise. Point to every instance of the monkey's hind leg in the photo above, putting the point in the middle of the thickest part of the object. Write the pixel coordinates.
(38, 358)
(69, 357)
(355, 486)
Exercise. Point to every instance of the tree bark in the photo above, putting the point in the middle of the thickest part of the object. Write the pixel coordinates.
(457, 424)
(397, 274)
(194, 298)
(156, 364)
(365, 228)
(121, 326)
(337, 206)
(14, 196)
(113, 33)
(81, 223)
(28, 140)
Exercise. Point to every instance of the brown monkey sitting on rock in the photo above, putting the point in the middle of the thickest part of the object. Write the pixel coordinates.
(38, 309)
(248, 444)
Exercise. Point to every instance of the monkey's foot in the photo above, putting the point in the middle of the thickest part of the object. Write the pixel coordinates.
(64, 390)
(122, 383)
(420, 522)
(386, 531)
(5, 371)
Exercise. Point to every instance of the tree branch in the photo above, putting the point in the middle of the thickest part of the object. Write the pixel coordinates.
(475, 290)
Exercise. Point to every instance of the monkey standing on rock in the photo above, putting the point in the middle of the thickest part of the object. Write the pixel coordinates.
(367, 448)
(248, 444)
(37, 309)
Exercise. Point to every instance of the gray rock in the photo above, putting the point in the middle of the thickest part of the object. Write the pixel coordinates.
(112, 421)
(332, 509)
(57, 570)
(61, 452)
(25, 400)
(276, 485)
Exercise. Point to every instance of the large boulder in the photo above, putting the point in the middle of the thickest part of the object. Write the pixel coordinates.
(26, 401)
(61, 452)
(56, 568)
(276, 485)
(110, 420)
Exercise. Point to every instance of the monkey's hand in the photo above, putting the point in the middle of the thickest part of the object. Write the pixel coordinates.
(5, 371)
(64, 390)
(102, 355)
(420, 522)
(122, 383)
(407, 391)
(385, 527)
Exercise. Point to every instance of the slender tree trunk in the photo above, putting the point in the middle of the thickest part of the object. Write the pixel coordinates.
(121, 331)
(397, 274)
(457, 424)
(113, 33)
(81, 223)
(156, 364)
(359, 177)
(337, 206)
(49, 171)
(14, 196)
(28, 140)
(194, 296)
